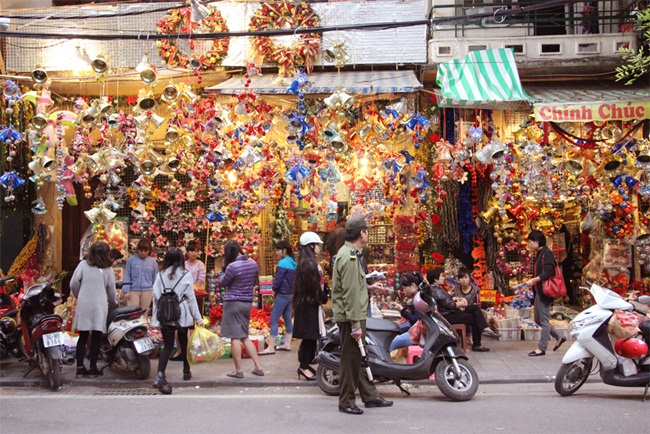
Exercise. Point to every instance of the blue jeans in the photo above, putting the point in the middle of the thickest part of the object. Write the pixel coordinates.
(281, 306)
(401, 341)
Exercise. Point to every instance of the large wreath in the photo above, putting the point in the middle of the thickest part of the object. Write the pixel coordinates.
(178, 21)
(303, 52)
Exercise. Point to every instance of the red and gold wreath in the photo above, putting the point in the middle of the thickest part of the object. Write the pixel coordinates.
(303, 52)
(178, 21)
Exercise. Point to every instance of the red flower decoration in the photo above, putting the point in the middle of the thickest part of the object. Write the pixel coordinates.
(131, 100)
(435, 219)
(437, 257)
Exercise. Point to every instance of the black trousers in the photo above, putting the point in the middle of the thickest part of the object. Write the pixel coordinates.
(352, 376)
(168, 333)
(472, 316)
(306, 352)
(95, 341)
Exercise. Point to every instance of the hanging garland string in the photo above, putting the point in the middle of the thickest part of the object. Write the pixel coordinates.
(178, 20)
(589, 143)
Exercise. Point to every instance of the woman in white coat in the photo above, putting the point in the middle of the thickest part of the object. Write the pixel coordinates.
(93, 285)
(174, 276)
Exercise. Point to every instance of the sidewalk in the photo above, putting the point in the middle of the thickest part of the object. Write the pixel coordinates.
(507, 362)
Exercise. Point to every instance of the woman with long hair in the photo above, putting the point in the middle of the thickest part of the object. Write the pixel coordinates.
(543, 269)
(240, 276)
(174, 276)
(308, 296)
(93, 285)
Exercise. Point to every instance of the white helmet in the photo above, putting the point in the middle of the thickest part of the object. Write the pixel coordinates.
(310, 238)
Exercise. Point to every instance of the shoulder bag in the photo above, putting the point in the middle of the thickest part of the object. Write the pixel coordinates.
(554, 287)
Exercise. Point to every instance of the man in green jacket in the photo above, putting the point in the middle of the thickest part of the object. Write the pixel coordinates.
(350, 306)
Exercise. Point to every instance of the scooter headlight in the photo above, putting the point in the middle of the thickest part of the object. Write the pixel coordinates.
(576, 325)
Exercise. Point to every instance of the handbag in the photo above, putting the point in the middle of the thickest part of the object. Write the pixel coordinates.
(554, 287)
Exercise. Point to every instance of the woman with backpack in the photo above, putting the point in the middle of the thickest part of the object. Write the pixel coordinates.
(240, 276)
(93, 285)
(174, 311)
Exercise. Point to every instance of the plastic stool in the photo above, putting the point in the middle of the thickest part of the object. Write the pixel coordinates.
(461, 330)
(413, 352)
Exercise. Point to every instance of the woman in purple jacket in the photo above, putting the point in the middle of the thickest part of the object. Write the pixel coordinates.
(240, 276)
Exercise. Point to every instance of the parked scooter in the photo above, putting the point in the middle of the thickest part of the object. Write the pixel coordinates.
(455, 377)
(631, 368)
(127, 344)
(41, 330)
(9, 331)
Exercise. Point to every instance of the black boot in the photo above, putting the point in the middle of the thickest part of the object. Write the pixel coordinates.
(159, 380)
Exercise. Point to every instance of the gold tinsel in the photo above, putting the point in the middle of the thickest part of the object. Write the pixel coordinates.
(19, 264)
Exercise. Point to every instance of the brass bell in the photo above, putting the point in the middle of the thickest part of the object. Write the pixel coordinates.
(329, 55)
(189, 95)
(78, 167)
(147, 167)
(611, 163)
(195, 64)
(147, 103)
(146, 70)
(574, 166)
(95, 162)
(105, 107)
(39, 75)
(99, 64)
(172, 135)
(643, 155)
(170, 93)
(489, 213)
(154, 157)
(337, 144)
(39, 121)
(174, 164)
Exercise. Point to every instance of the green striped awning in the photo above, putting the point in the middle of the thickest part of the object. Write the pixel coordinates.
(486, 78)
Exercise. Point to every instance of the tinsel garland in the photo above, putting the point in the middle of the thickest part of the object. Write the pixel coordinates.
(466, 226)
(450, 239)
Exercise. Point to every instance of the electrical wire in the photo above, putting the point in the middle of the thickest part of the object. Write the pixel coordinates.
(280, 32)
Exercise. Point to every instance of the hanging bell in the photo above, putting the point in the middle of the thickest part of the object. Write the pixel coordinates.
(113, 120)
(39, 121)
(105, 108)
(11, 90)
(41, 163)
(489, 214)
(333, 102)
(78, 167)
(99, 64)
(337, 144)
(147, 167)
(189, 95)
(195, 64)
(643, 155)
(329, 55)
(147, 103)
(172, 134)
(574, 166)
(147, 70)
(141, 121)
(611, 163)
(95, 162)
(156, 120)
(170, 93)
(401, 106)
(199, 12)
(497, 151)
(154, 157)
(90, 115)
(173, 164)
(330, 132)
(347, 101)
(39, 76)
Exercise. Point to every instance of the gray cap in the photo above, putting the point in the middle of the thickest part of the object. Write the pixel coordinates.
(356, 223)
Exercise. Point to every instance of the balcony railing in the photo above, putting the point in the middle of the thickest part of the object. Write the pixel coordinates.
(596, 17)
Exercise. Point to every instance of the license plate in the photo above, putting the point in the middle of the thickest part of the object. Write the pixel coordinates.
(143, 345)
(53, 339)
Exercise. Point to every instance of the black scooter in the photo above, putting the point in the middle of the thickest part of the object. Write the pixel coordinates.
(441, 355)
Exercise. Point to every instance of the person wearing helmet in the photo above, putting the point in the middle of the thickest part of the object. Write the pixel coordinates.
(350, 305)
(308, 295)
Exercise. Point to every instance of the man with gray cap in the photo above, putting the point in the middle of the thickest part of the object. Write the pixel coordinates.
(350, 304)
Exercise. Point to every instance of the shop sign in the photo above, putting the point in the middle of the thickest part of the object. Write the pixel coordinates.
(586, 112)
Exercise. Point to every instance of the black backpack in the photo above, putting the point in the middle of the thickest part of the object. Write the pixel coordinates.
(169, 305)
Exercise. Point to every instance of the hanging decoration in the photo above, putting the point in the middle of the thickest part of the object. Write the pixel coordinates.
(179, 21)
(303, 52)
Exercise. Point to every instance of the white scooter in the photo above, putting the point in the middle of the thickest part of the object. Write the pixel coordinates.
(627, 364)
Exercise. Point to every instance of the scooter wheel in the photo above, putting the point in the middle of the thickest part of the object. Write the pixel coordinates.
(328, 380)
(461, 387)
(571, 376)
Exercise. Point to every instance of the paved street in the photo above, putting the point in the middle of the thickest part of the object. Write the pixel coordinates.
(503, 408)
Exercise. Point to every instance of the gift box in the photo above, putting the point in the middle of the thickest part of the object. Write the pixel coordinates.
(258, 343)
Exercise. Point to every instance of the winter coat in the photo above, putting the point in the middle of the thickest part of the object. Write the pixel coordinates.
(305, 320)
(184, 290)
(94, 289)
(239, 279)
(141, 273)
(445, 301)
(284, 276)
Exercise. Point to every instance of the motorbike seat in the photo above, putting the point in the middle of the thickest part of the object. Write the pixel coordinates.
(121, 312)
(382, 325)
